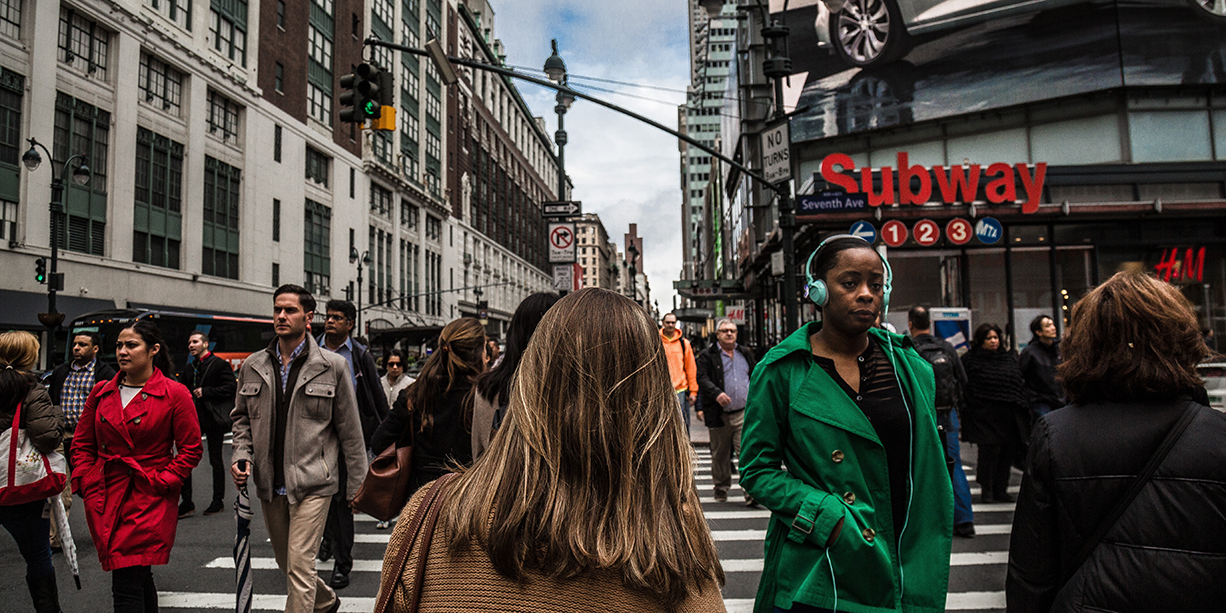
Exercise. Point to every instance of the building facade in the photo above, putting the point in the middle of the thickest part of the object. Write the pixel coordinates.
(596, 254)
(220, 169)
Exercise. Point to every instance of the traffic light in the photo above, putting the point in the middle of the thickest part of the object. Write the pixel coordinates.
(387, 103)
(360, 99)
(40, 270)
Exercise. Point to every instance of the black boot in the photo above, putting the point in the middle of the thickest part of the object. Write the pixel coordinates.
(46, 594)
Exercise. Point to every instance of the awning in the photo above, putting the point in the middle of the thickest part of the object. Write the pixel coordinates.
(21, 309)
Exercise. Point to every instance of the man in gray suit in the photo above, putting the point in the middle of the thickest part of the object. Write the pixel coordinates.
(295, 415)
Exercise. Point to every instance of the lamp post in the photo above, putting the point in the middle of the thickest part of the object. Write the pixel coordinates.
(556, 69)
(80, 175)
(365, 260)
(634, 272)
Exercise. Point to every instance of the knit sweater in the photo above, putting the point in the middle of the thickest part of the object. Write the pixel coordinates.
(468, 582)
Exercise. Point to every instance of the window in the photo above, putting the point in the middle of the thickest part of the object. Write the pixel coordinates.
(230, 29)
(413, 256)
(276, 220)
(12, 86)
(317, 166)
(408, 215)
(223, 116)
(276, 274)
(278, 78)
(276, 144)
(82, 43)
(352, 182)
(281, 14)
(380, 200)
(317, 260)
(10, 18)
(8, 220)
(434, 277)
(320, 47)
(160, 85)
(82, 129)
(222, 187)
(319, 104)
(158, 224)
(381, 144)
(434, 228)
(178, 11)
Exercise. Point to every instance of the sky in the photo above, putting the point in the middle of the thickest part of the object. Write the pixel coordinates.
(623, 170)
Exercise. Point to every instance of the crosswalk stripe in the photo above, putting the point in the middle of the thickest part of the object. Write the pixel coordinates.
(746, 514)
(739, 605)
(993, 528)
(738, 535)
(361, 566)
(979, 558)
(974, 601)
(259, 602)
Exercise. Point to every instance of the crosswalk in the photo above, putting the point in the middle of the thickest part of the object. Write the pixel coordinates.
(977, 566)
(977, 573)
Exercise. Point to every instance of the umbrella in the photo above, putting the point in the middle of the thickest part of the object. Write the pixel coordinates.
(60, 516)
(242, 550)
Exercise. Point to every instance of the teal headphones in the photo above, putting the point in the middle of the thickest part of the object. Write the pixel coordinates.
(816, 289)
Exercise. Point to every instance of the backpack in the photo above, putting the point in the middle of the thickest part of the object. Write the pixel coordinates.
(943, 370)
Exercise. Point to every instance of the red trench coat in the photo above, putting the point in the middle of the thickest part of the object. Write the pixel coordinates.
(127, 469)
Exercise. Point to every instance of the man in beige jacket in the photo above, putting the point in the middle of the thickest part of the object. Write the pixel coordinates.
(295, 414)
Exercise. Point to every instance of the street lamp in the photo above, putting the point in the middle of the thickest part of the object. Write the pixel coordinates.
(556, 69)
(80, 175)
(365, 260)
(634, 281)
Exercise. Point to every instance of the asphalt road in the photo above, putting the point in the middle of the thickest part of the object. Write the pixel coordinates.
(200, 576)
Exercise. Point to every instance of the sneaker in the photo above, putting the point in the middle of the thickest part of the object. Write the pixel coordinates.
(750, 502)
(965, 530)
(186, 509)
(383, 525)
(215, 507)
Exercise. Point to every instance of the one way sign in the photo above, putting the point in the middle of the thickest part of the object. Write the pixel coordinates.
(561, 209)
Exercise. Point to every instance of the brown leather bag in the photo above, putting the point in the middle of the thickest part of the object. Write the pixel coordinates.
(386, 487)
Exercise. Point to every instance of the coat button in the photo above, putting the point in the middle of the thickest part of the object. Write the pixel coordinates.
(849, 498)
(104, 420)
(136, 421)
(869, 534)
(104, 445)
(144, 396)
(837, 456)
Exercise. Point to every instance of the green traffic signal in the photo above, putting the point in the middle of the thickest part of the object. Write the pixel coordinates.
(360, 96)
(40, 270)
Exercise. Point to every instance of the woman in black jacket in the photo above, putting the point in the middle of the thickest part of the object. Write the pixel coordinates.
(996, 411)
(1130, 370)
(435, 413)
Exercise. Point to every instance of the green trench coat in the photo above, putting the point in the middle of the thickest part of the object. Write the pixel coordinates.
(799, 418)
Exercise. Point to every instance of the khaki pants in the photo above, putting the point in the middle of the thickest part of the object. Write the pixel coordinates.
(65, 495)
(295, 531)
(725, 441)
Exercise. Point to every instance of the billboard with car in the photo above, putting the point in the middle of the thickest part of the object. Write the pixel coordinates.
(868, 64)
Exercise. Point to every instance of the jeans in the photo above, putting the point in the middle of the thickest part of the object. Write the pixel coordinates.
(338, 530)
(683, 399)
(962, 489)
(133, 590)
(28, 527)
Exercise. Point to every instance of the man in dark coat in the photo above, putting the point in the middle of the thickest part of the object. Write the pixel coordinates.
(211, 381)
(1038, 363)
(723, 384)
(372, 409)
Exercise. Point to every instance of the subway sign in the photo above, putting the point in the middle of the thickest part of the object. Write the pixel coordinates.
(955, 184)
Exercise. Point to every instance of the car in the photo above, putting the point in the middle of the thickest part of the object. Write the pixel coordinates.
(1214, 374)
(870, 33)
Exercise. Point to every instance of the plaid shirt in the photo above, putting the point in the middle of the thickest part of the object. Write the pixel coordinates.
(77, 386)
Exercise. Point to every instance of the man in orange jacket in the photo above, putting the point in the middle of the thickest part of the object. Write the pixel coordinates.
(680, 366)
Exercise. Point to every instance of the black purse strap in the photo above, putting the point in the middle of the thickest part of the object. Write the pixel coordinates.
(1109, 521)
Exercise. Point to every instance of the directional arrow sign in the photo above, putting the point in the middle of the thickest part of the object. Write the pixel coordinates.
(561, 209)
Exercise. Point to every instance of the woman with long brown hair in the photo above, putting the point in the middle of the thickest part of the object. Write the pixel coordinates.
(44, 426)
(1130, 356)
(585, 501)
(434, 414)
(997, 414)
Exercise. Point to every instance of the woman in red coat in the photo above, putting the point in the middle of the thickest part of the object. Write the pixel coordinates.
(137, 440)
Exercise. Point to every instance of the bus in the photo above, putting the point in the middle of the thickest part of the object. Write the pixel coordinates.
(230, 338)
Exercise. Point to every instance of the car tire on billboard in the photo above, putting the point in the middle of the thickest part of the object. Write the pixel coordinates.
(868, 33)
(1210, 9)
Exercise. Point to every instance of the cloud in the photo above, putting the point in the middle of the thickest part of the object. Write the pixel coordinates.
(623, 170)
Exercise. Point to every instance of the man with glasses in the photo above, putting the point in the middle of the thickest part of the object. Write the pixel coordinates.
(372, 408)
(723, 379)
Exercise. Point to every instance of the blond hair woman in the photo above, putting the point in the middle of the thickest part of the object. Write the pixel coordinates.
(44, 425)
(585, 500)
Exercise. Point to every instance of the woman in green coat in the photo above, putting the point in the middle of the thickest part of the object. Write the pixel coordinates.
(841, 444)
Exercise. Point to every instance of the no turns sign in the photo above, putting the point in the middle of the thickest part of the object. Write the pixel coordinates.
(561, 243)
